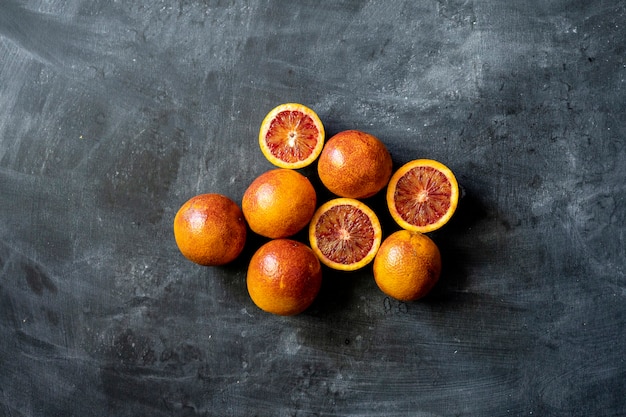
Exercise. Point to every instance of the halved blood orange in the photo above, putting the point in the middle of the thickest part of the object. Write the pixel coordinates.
(291, 136)
(345, 234)
(422, 195)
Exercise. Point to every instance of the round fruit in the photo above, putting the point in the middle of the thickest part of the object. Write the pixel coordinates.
(407, 265)
(354, 164)
(210, 229)
(284, 277)
(279, 203)
(291, 136)
(422, 195)
(345, 234)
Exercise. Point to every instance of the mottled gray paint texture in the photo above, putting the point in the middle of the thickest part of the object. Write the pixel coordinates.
(113, 113)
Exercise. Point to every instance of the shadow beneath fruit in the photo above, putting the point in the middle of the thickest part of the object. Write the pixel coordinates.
(322, 193)
(239, 267)
(336, 294)
(237, 270)
(457, 247)
(378, 203)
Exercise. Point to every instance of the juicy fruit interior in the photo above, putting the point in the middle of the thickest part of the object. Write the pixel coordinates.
(292, 136)
(345, 234)
(422, 196)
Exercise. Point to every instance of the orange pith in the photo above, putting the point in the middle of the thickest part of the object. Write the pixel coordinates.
(345, 234)
(291, 136)
(422, 195)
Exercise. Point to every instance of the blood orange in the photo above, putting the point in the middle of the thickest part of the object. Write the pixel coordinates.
(210, 229)
(284, 277)
(407, 265)
(279, 203)
(422, 195)
(354, 164)
(345, 234)
(291, 136)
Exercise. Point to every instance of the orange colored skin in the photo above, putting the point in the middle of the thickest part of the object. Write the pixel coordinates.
(284, 277)
(210, 229)
(279, 203)
(354, 164)
(407, 265)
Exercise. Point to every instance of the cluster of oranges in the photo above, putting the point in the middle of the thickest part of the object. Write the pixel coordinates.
(284, 275)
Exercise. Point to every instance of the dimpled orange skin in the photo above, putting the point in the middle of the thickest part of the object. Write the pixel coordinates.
(279, 203)
(354, 164)
(407, 265)
(210, 229)
(284, 277)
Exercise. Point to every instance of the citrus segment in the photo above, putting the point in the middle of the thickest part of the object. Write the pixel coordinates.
(422, 195)
(291, 136)
(210, 229)
(354, 164)
(279, 203)
(284, 277)
(345, 234)
(407, 265)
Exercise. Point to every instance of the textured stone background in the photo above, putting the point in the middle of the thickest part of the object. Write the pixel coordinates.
(113, 113)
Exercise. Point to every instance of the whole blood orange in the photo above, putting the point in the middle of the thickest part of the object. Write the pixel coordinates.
(210, 229)
(354, 164)
(284, 277)
(291, 136)
(422, 195)
(345, 234)
(407, 265)
(279, 203)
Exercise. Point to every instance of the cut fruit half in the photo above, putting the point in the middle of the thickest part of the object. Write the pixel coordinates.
(345, 234)
(291, 136)
(422, 195)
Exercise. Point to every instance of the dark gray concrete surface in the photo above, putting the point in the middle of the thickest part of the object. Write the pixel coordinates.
(113, 113)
